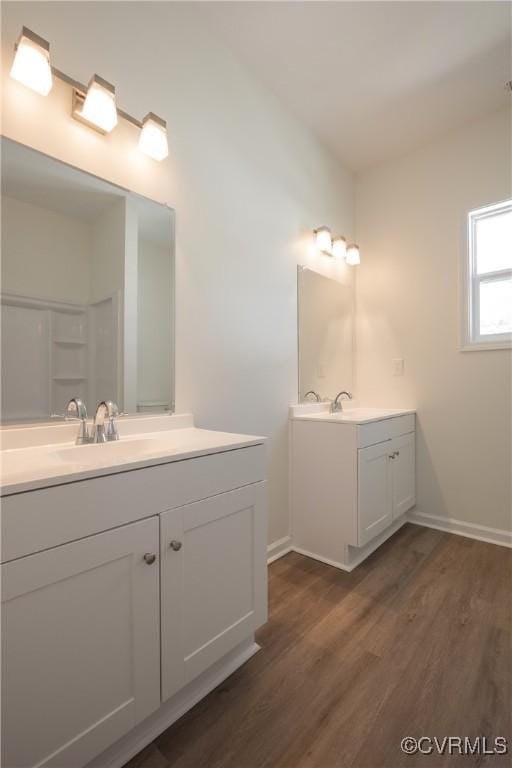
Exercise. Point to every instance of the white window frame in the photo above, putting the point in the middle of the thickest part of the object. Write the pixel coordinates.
(472, 339)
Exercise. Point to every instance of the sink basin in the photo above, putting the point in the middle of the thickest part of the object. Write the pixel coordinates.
(78, 454)
(359, 414)
(349, 415)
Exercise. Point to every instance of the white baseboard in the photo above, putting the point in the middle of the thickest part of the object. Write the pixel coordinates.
(279, 548)
(462, 528)
(448, 524)
(143, 734)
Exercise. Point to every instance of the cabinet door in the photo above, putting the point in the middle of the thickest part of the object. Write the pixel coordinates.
(80, 646)
(214, 581)
(404, 473)
(374, 490)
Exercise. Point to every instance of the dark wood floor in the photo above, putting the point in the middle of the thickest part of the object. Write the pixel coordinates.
(416, 641)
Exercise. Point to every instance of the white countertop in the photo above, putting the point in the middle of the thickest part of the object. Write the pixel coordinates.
(351, 414)
(41, 466)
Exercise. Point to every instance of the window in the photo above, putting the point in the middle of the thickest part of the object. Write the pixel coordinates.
(489, 284)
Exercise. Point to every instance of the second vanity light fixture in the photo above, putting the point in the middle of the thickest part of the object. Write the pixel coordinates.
(94, 105)
(336, 246)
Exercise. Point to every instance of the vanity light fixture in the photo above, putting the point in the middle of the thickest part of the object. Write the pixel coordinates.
(153, 137)
(323, 240)
(339, 247)
(94, 105)
(352, 258)
(98, 108)
(31, 65)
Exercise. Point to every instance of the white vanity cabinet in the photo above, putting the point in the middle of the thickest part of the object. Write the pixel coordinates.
(214, 592)
(350, 483)
(107, 631)
(80, 646)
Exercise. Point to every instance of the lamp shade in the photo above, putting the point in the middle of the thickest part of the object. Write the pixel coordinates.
(323, 239)
(153, 137)
(100, 104)
(352, 256)
(339, 247)
(31, 65)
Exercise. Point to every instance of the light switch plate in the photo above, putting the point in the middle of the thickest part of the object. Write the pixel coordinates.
(398, 366)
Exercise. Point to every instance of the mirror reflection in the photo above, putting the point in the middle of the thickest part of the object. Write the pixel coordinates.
(87, 291)
(325, 320)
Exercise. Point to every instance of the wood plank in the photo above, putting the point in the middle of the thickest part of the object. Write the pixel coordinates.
(415, 641)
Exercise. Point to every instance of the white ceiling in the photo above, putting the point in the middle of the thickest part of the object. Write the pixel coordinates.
(374, 79)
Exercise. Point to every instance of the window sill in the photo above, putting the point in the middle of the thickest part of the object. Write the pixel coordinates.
(486, 346)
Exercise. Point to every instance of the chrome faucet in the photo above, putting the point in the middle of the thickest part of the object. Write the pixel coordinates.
(315, 395)
(107, 409)
(76, 409)
(336, 403)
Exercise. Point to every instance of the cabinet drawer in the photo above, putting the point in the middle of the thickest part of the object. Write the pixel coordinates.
(45, 518)
(378, 431)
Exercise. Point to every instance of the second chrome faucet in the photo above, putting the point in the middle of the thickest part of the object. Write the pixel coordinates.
(336, 405)
(106, 411)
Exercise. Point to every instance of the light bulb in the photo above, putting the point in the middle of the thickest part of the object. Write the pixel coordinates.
(352, 256)
(323, 239)
(339, 247)
(153, 137)
(100, 104)
(31, 65)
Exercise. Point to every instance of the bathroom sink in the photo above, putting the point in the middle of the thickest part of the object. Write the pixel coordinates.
(25, 468)
(78, 454)
(359, 414)
(350, 414)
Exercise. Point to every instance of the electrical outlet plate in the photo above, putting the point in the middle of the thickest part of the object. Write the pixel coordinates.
(398, 366)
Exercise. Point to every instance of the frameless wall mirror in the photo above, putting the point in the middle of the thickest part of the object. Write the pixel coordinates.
(87, 292)
(325, 320)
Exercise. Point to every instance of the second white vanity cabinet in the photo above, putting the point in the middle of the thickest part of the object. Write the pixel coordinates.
(352, 478)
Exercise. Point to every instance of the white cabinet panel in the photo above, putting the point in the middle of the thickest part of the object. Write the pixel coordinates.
(214, 587)
(404, 474)
(80, 646)
(374, 490)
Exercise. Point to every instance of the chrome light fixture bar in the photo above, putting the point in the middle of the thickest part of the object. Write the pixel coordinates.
(93, 104)
(336, 246)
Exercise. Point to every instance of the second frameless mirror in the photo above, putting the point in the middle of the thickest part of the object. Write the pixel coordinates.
(325, 328)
